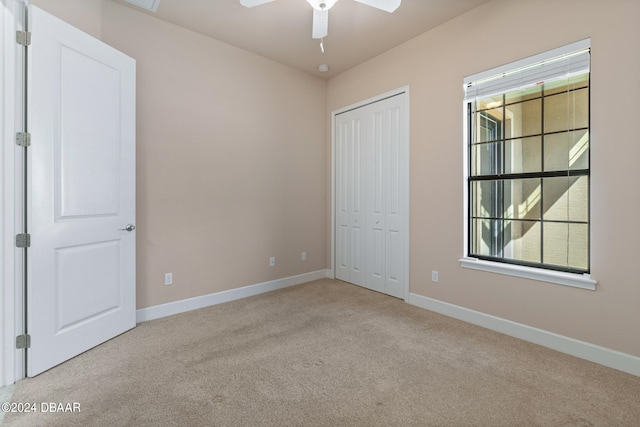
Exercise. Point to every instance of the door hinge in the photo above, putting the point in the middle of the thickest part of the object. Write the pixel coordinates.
(23, 139)
(23, 341)
(23, 38)
(23, 240)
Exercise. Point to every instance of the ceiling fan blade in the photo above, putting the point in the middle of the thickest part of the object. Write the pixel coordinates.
(320, 23)
(252, 3)
(386, 5)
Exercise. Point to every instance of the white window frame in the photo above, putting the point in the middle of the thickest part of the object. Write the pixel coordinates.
(583, 281)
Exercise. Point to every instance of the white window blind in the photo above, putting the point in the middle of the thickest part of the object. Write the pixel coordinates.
(551, 65)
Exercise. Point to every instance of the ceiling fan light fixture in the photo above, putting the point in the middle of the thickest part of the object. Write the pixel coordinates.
(321, 8)
(322, 4)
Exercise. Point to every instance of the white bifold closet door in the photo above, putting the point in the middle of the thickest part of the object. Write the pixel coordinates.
(371, 196)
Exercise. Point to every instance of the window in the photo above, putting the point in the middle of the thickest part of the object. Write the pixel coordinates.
(528, 165)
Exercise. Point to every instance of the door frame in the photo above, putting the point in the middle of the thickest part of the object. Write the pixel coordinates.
(334, 113)
(12, 360)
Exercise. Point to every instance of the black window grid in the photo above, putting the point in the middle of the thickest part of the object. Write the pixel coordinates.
(499, 178)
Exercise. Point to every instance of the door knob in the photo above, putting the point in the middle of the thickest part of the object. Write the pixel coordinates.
(129, 227)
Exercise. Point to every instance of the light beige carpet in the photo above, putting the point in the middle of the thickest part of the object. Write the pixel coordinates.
(326, 353)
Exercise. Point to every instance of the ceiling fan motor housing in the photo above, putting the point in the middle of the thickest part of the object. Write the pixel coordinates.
(322, 4)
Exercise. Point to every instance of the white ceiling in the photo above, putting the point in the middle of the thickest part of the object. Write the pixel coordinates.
(281, 30)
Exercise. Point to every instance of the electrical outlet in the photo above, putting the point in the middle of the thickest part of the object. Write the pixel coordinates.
(272, 261)
(303, 256)
(168, 279)
(434, 276)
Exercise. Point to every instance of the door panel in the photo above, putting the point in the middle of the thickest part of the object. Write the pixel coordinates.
(342, 196)
(356, 201)
(350, 199)
(394, 261)
(376, 188)
(81, 192)
(86, 283)
(83, 144)
(396, 175)
(376, 245)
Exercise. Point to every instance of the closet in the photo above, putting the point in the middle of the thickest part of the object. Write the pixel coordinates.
(371, 195)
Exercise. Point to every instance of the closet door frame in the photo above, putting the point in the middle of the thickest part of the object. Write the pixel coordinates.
(404, 161)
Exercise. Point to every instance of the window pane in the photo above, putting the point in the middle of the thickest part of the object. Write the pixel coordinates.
(566, 245)
(489, 102)
(476, 196)
(567, 110)
(579, 246)
(522, 240)
(564, 85)
(487, 196)
(488, 125)
(522, 198)
(579, 199)
(486, 158)
(523, 119)
(566, 198)
(556, 241)
(523, 94)
(566, 151)
(523, 155)
(486, 237)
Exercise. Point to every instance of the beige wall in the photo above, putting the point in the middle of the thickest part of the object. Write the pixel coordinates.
(230, 158)
(434, 65)
(230, 161)
(233, 158)
(83, 14)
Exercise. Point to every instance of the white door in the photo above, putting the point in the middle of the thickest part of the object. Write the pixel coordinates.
(80, 192)
(375, 188)
(394, 165)
(350, 228)
(372, 160)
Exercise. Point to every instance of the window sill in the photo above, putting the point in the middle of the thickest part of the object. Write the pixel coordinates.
(583, 281)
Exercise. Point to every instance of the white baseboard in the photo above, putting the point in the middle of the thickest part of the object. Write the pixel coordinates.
(176, 307)
(584, 350)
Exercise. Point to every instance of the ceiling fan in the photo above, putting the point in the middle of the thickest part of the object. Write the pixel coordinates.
(321, 11)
